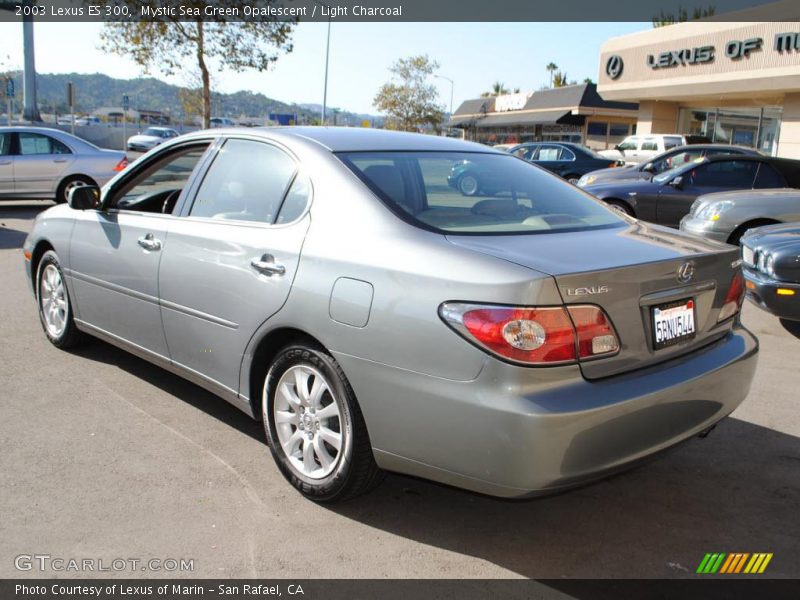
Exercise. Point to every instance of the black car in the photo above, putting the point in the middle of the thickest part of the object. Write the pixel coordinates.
(570, 161)
(771, 258)
(565, 159)
(668, 196)
(666, 160)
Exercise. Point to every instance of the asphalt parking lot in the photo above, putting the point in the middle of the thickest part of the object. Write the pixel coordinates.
(105, 456)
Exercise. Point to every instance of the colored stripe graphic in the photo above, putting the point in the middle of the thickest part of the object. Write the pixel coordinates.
(721, 562)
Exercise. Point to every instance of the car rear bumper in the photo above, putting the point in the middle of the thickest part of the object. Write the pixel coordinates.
(516, 432)
(701, 228)
(763, 292)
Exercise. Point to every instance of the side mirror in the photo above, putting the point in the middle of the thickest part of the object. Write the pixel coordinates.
(84, 197)
(620, 148)
(649, 167)
(677, 182)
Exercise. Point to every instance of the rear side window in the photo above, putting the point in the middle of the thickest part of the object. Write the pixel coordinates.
(5, 144)
(649, 144)
(672, 142)
(472, 193)
(246, 182)
(768, 177)
(294, 205)
(31, 144)
(725, 174)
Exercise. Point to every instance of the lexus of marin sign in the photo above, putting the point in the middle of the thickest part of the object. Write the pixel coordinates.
(733, 50)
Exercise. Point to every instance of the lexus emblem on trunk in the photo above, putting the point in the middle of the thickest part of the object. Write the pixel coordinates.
(686, 272)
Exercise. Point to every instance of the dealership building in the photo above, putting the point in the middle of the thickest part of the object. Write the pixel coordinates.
(734, 82)
(573, 113)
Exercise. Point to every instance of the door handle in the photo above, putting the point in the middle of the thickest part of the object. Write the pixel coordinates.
(267, 265)
(59, 160)
(149, 242)
(5, 162)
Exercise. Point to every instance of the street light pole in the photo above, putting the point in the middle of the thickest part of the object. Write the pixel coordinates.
(325, 90)
(452, 85)
(327, 56)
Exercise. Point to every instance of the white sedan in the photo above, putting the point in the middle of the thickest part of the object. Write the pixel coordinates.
(150, 138)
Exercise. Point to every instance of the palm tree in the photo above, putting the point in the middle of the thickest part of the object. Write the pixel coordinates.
(560, 79)
(552, 67)
(498, 89)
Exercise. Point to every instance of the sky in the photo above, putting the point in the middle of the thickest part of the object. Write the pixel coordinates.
(473, 55)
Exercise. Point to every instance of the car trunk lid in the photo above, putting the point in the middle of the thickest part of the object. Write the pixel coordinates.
(629, 272)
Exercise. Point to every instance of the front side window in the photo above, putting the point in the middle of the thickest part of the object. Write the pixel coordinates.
(678, 159)
(629, 144)
(5, 144)
(31, 144)
(157, 187)
(246, 182)
(474, 193)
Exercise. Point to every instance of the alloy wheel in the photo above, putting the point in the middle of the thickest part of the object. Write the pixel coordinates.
(308, 421)
(53, 301)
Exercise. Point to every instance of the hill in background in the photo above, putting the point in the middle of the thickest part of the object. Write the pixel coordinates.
(93, 91)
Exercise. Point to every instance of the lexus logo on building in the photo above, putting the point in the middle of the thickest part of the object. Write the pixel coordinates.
(686, 272)
(614, 66)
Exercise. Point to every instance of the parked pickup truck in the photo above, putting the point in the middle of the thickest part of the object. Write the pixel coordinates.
(635, 149)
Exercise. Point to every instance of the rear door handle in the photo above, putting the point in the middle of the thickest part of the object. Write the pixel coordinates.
(149, 242)
(59, 160)
(267, 265)
(5, 162)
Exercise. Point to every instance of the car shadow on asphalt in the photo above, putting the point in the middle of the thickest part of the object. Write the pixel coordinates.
(735, 491)
(172, 384)
(10, 238)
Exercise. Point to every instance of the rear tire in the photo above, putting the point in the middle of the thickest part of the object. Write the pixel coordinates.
(71, 182)
(55, 308)
(314, 426)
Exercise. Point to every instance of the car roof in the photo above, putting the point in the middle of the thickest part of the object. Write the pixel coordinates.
(362, 139)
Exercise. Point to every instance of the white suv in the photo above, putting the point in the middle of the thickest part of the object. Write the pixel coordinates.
(635, 149)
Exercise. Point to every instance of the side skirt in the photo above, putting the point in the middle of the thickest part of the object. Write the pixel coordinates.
(199, 379)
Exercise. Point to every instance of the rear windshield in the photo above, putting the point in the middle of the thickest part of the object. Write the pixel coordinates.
(474, 193)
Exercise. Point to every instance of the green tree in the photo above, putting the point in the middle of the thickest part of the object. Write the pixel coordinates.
(552, 67)
(168, 45)
(498, 89)
(408, 98)
(663, 19)
(559, 79)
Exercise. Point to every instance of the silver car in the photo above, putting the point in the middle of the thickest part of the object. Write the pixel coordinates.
(726, 216)
(331, 283)
(41, 163)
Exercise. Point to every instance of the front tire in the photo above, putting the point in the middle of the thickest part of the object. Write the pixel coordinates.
(468, 185)
(55, 308)
(315, 428)
(620, 207)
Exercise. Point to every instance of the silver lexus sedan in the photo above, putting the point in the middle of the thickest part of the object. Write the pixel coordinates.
(331, 283)
(46, 164)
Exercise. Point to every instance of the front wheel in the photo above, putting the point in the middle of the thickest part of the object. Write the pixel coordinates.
(620, 207)
(315, 428)
(55, 309)
(468, 185)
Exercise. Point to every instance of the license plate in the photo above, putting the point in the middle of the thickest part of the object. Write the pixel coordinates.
(673, 323)
(748, 256)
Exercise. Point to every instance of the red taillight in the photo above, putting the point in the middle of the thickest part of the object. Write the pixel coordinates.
(596, 336)
(121, 165)
(733, 299)
(535, 336)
